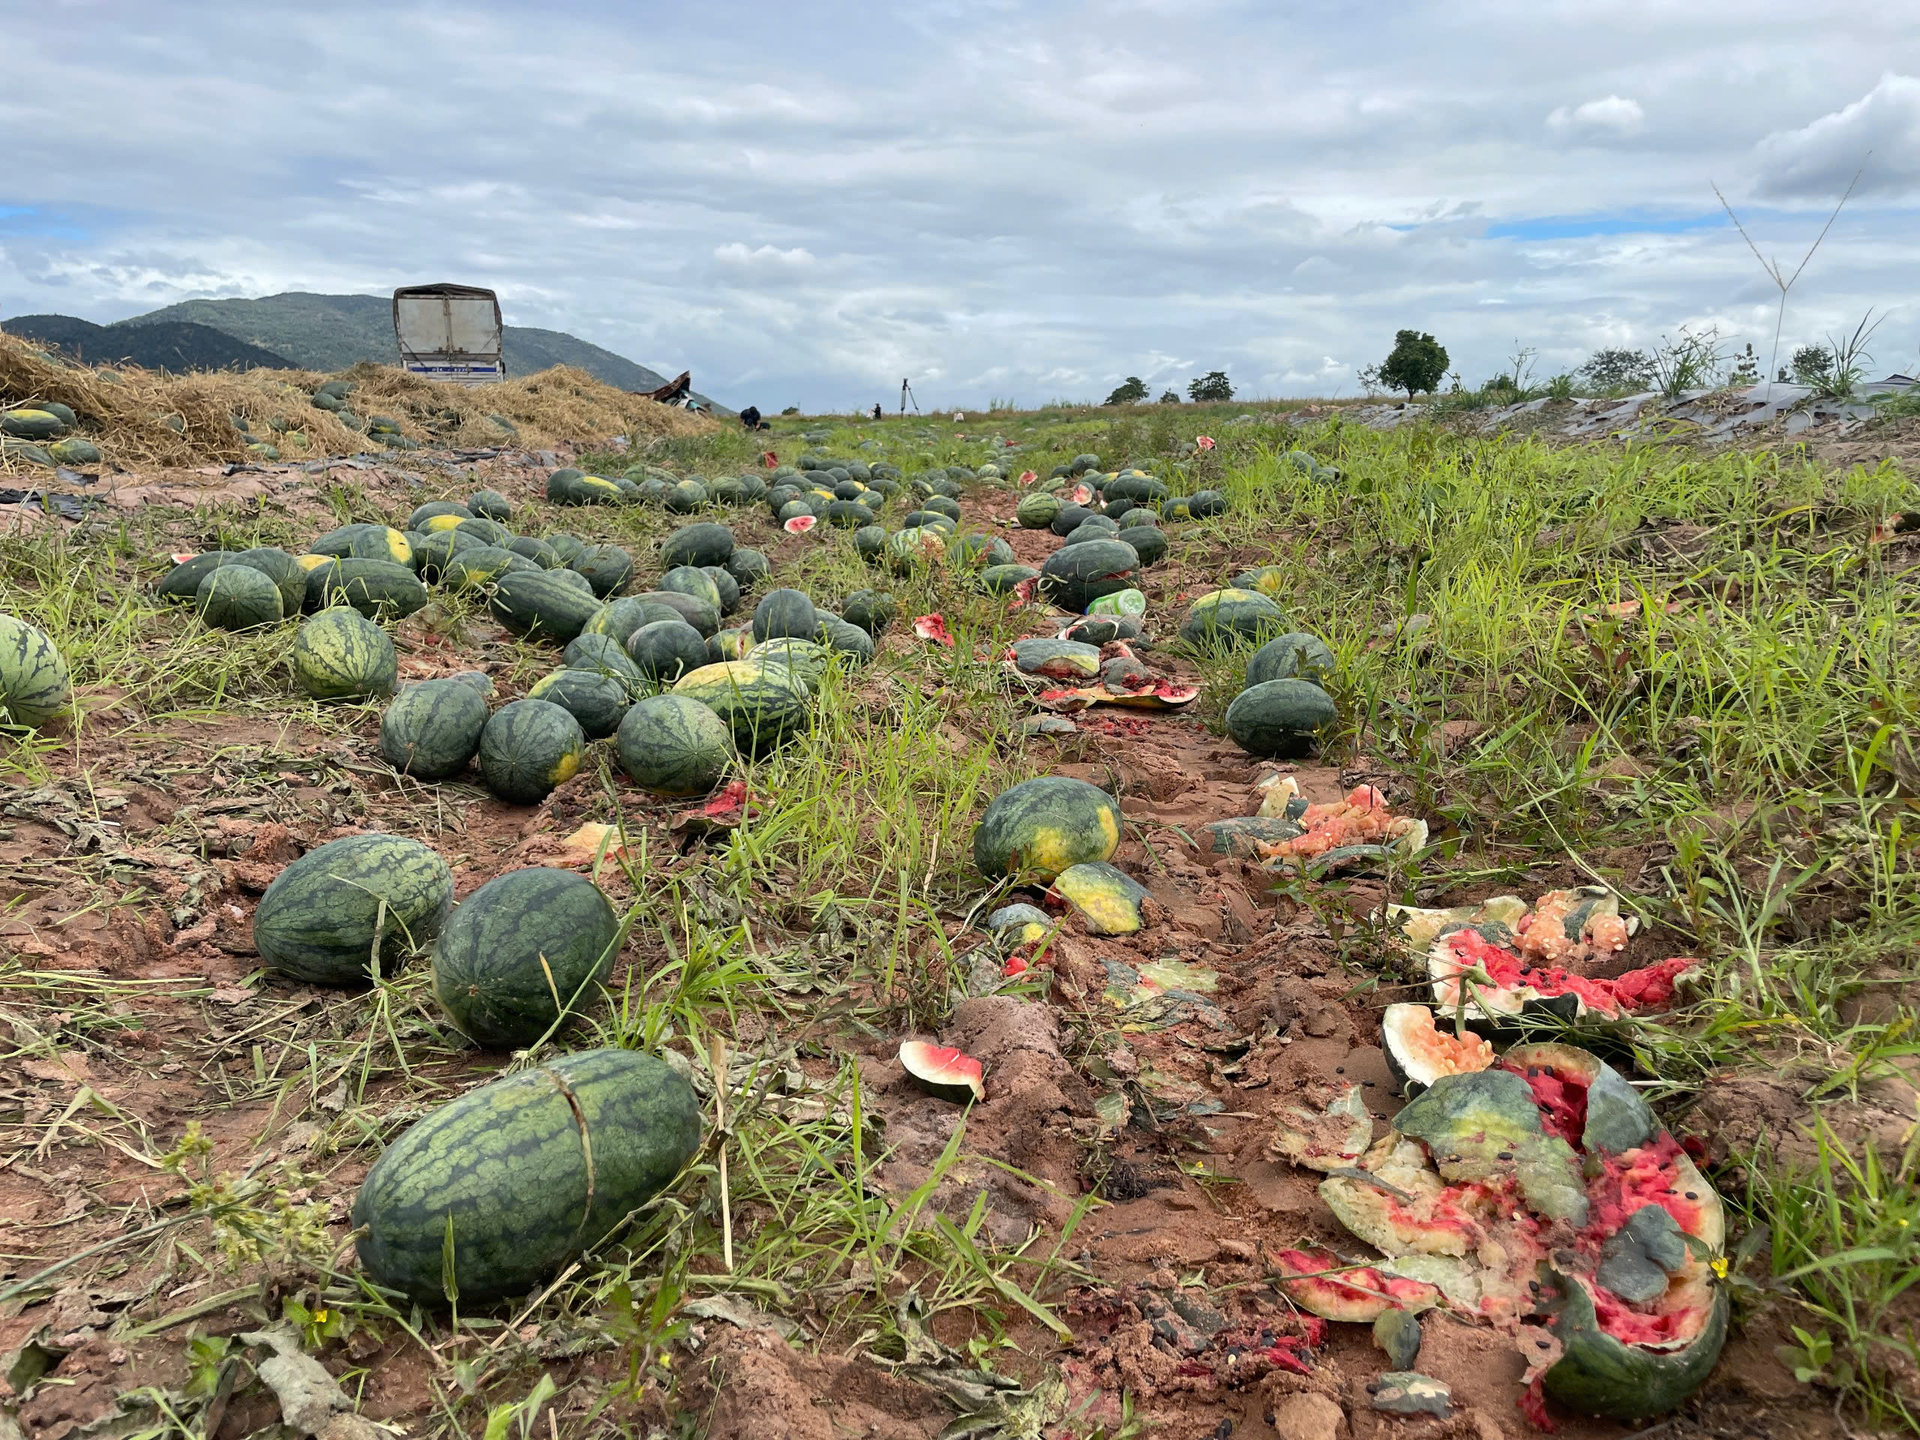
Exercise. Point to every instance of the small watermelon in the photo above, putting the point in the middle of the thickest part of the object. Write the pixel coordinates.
(672, 745)
(34, 683)
(530, 748)
(432, 729)
(349, 905)
(339, 654)
(598, 701)
(513, 946)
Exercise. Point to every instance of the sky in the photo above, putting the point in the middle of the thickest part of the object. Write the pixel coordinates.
(805, 203)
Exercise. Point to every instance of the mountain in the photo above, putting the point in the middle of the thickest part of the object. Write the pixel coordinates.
(331, 332)
(169, 345)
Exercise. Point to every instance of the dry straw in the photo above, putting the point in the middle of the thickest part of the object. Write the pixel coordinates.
(147, 419)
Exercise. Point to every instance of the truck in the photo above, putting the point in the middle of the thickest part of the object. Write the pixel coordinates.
(449, 332)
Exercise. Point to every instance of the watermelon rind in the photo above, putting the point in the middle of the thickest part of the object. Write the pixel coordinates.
(513, 946)
(523, 1175)
(324, 915)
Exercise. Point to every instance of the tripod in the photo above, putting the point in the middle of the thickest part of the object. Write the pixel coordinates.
(906, 398)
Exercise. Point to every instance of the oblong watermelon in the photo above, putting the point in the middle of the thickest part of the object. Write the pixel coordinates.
(350, 906)
(530, 748)
(589, 651)
(516, 943)
(761, 705)
(523, 1175)
(432, 729)
(704, 543)
(597, 700)
(378, 589)
(35, 685)
(183, 581)
(1279, 718)
(339, 654)
(238, 597)
(607, 568)
(543, 602)
(1226, 618)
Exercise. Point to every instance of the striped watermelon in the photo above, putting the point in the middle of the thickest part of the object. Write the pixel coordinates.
(761, 704)
(529, 749)
(329, 915)
(432, 729)
(674, 745)
(339, 654)
(34, 683)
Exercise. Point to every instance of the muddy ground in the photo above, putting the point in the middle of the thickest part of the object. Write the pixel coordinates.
(130, 880)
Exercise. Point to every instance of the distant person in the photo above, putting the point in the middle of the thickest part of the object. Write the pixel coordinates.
(750, 417)
(876, 412)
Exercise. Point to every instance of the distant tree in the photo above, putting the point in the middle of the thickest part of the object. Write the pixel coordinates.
(1812, 364)
(791, 410)
(1609, 370)
(1132, 389)
(1746, 368)
(1369, 378)
(1213, 385)
(1417, 362)
(1170, 397)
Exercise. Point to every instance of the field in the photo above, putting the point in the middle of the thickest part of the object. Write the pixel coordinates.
(1689, 676)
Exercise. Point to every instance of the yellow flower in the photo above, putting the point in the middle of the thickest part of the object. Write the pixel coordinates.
(1719, 1266)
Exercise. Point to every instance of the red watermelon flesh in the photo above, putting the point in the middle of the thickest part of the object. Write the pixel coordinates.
(943, 1071)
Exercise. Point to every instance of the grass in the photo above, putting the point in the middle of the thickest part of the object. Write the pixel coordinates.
(1689, 675)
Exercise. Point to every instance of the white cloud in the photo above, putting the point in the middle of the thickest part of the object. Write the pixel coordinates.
(1877, 135)
(1615, 115)
(766, 256)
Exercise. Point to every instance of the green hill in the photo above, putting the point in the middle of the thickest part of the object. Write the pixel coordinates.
(331, 332)
(172, 345)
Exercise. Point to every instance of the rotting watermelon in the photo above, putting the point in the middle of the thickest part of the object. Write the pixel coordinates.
(1107, 899)
(1419, 1052)
(1044, 825)
(350, 906)
(1323, 1285)
(525, 949)
(1514, 985)
(493, 1194)
(943, 1071)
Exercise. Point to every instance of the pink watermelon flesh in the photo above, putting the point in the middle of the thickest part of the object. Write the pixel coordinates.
(800, 524)
(943, 1071)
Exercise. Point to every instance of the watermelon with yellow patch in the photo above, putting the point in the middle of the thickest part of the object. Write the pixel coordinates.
(530, 748)
(1043, 826)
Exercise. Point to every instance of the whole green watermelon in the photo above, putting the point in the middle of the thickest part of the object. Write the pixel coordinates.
(493, 1194)
(593, 697)
(516, 943)
(238, 597)
(34, 683)
(339, 654)
(1045, 825)
(432, 729)
(761, 704)
(529, 749)
(349, 905)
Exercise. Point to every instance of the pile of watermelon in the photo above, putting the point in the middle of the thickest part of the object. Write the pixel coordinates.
(1283, 704)
(42, 434)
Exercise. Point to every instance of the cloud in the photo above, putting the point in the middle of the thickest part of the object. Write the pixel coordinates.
(1615, 115)
(764, 258)
(1878, 135)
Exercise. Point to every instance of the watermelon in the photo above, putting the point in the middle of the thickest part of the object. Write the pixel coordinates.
(761, 705)
(238, 597)
(432, 729)
(943, 1071)
(541, 602)
(748, 567)
(34, 683)
(281, 568)
(183, 581)
(1227, 618)
(846, 639)
(870, 542)
(1045, 825)
(364, 542)
(686, 497)
(1006, 579)
(604, 654)
(30, 424)
(1107, 899)
(674, 745)
(490, 504)
(568, 486)
(729, 644)
(690, 580)
(1203, 504)
(695, 611)
(487, 532)
(538, 551)
(915, 545)
(349, 905)
(477, 681)
(1279, 718)
(618, 619)
(481, 565)
(432, 554)
(979, 551)
(666, 650)
(930, 520)
(785, 613)
(597, 700)
(514, 945)
(1419, 1052)
(1297, 655)
(871, 610)
(725, 585)
(378, 589)
(806, 660)
(494, 1194)
(1068, 518)
(1074, 576)
(607, 568)
(529, 749)
(1036, 511)
(438, 509)
(1147, 541)
(339, 654)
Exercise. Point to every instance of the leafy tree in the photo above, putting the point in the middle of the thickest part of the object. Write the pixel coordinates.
(1610, 370)
(1417, 362)
(1170, 397)
(1128, 391)
(1812, 364)
(1213, 385)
